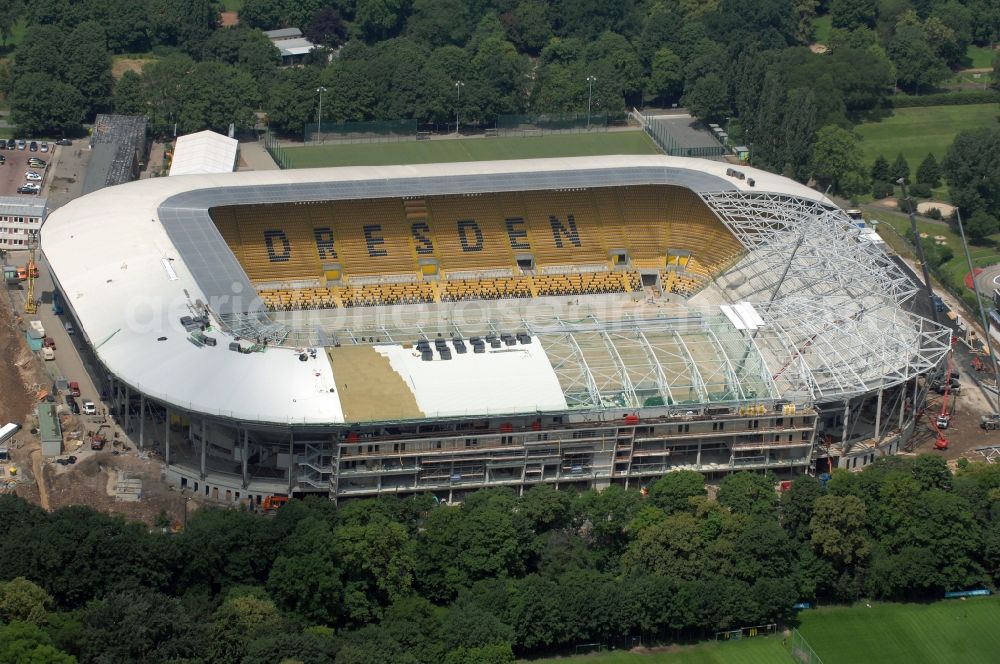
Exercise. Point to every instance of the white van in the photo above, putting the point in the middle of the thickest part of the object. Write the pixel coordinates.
(48, 353)
(69, 328)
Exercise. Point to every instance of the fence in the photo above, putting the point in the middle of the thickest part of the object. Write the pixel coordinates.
(375, 131)
(558, 123)
(275, 150)
(801, 651)
(661, 135)
(746, 632)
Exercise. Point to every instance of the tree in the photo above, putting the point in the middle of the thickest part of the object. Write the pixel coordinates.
(880, 170)
(917, 65)
(292, 100)
(748, 493)
(900, 169)
(931, 472)
(240, 618)
(545, 507)
(377, 19)
(972, 171)
(838, 529)
(797, 506)
(327, 27)
(129, 97)
(666, 81)
(439, 22)
(24, 643)
(41, 105)
(88, 65)
(929, 172)
(708, 99)
(10, 12)
(980, 225)
(528, 26)
(673, 492)
(21, 600)
(850, 14)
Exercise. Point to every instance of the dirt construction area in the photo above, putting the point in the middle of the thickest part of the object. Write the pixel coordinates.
(118, 479)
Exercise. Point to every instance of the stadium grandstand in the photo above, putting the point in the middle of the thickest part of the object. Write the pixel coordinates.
(440, 328)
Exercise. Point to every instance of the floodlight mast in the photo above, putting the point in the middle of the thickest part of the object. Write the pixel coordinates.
(920, 251)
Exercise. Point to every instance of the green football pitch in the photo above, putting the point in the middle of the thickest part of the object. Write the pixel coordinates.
(470, 149)
(952, 631)
(761, 650)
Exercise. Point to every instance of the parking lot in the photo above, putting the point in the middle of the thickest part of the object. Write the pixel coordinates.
(15, 165)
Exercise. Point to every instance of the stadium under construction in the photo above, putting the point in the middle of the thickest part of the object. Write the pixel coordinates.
(441, 328)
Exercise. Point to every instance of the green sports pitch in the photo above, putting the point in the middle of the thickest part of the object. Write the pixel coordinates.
(469, 149)
(947, 632)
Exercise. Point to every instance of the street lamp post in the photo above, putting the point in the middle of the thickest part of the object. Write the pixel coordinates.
(319, 112)
(458, 103)
(590, 96)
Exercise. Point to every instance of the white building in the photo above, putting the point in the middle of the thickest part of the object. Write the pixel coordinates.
(204, 152)
(20, 217)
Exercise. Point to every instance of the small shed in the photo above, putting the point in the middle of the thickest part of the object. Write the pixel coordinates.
(742, 152)
(49, 429)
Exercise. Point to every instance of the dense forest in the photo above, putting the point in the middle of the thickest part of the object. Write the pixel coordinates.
(412, 580)
(741, 61)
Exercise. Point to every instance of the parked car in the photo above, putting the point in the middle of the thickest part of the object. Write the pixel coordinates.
(64, 141)
(25, 189)
(21, 144)
(3, 143)
(74, 407)
(33, 146)
(32, 176)
(74, 388)
(48, 354)
(3, 160)
(89, 408)
(44, 147)
(49, 342)
(35, 162)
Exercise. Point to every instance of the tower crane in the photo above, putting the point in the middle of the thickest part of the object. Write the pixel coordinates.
(30, 306)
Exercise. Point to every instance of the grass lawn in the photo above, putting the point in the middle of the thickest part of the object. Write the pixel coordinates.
(821, 29)
(942, 632)
(470, 149)
(981, 56)
(917, 131)
(760, 650)
(232, 5)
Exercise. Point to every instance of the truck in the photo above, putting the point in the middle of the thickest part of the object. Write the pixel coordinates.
(37, 326)
(8, 430)
(990, 422)
(57, 307)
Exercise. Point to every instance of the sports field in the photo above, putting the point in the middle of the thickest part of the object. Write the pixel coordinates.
(748, 651)
(917, 131)
(470, 149)
(946, 632)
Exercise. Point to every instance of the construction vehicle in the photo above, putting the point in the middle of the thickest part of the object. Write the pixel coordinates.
(30, 305)
(272, 503)
(940, 442)
(98, 439)
(990, 422)
(949, 381)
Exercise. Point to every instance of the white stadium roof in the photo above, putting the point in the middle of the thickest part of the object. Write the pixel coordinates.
(204, 152)
(135, 258)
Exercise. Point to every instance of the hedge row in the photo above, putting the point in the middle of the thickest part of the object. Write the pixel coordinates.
(946, 99)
